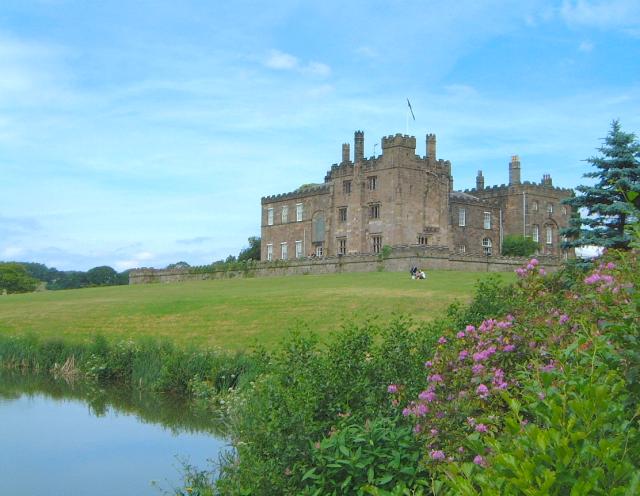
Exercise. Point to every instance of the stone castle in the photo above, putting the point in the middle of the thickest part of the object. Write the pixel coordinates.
(401, 199)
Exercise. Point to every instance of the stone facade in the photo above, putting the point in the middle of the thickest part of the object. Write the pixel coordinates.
(401, 199)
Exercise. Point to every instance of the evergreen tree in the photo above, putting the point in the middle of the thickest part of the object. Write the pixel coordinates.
(617, 174)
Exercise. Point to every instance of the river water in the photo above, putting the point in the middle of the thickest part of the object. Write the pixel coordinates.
(61, 439)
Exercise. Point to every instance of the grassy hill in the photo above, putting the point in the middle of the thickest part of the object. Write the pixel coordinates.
(234, 313)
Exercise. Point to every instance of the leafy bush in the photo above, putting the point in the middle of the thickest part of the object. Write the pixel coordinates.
(381, 453)
(515, 245)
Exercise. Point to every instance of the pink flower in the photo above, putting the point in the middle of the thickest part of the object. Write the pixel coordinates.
(564, 318)
(434, 432)
(542, 272)
(477, 369)
(427, 396)
(482, 428)
(610, 266)
(392, 388)
(541, 396)
(470, 328)
(417, 429)
(460, 335)
(422, 410)
(428, 364)
(442, 340)
(479, 460)
(471, 421)
(534, 261)
(461, 449)
(592, 279)
(482, 391)
(508, 348)
(437, 455)
(548, 367)
(463, 354)
(406, 412)
(435, 378)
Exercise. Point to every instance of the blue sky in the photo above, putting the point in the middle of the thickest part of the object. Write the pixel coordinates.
(140, 133)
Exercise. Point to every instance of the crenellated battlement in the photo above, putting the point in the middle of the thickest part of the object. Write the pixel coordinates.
(299, 193)
(524, 186)
(399, 140)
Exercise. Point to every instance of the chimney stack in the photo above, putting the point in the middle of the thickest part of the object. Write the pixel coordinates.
(346, 153)
(431, 146)
(358, 146)
(479, 181)
(514, 170)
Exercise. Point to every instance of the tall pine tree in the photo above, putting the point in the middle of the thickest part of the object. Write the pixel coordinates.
(617, 173)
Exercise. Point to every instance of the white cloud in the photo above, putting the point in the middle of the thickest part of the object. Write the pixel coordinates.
(141, 259)
(11, 252)
(280, 60)
(586, 46)
(623, 14)
(285, 61)
(317, 69)
(366, 51)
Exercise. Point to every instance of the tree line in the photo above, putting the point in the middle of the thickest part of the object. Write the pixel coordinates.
(25, 277)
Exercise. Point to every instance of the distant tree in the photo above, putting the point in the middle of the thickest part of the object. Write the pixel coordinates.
(123, 277)
(14, 278)
(102, 276)
(252, 252)
(230, 259)
(178, 265)
(69, 279)
(39, 271)
(618, 174)
(516, 245)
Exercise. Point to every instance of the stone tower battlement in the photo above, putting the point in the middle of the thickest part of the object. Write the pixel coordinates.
(399, 140)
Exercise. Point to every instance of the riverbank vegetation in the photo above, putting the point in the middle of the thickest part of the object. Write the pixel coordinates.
(233, 314)
(532, 389)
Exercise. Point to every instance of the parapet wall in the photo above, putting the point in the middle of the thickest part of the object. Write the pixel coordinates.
(401, 260)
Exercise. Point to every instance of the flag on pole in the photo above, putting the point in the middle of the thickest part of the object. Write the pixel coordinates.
(410, 109)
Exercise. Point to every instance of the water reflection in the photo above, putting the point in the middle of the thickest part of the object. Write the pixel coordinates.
(65, 438)
(173, 412)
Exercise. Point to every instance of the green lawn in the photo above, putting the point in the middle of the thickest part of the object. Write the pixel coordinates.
(232, 313)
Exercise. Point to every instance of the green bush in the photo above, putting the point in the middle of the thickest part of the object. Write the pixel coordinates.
(515, 245)
(382, 453)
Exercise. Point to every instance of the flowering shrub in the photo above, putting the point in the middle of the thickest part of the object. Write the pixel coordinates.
(494, 393)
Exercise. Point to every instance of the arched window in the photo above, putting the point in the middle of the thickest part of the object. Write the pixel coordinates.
(549, 235)
(486, 246)
(534, 205)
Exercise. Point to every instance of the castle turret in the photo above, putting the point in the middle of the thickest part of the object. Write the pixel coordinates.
(358, 139)
(514, 170)
(546, 180)
(346, 153)
(479, 181)
(431, 146)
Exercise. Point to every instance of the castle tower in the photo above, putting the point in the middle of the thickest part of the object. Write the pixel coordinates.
(358, 139)
(546, 180)
(514, 170)
(431, 146)
(346, 153)
(479, 181)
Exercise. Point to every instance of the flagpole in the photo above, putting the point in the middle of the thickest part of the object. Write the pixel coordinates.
(407, 123)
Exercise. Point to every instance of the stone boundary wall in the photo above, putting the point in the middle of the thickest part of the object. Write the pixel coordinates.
(400, 260)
